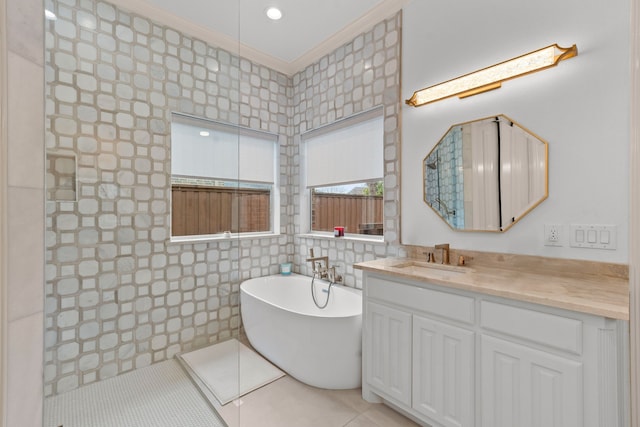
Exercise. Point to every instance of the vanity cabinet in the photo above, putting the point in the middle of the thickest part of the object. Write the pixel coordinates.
(443, 367)
(522, 386)
(419, 350)
(537, 381)
(458, 358)
(389, 344)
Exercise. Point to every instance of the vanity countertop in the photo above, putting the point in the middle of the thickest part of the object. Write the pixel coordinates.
(597, 294)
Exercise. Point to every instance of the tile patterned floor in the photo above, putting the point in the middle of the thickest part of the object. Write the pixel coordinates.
(289, 403)
(163, 395)
(160, 395)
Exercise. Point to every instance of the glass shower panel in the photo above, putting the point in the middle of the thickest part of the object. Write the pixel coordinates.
(122, 293)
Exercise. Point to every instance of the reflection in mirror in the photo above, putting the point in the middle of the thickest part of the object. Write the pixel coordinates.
(486, 174)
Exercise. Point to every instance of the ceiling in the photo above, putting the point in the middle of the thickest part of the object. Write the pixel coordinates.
(308, 30)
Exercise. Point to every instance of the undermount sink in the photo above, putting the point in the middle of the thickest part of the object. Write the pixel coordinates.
(420, 268)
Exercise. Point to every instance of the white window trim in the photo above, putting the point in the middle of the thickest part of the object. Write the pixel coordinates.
(275, 194)
(305, 193)
(361, 238)
(203, 238)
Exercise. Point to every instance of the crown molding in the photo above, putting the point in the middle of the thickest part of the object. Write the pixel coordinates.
(379, 13)
(382, 11)
(216, 38)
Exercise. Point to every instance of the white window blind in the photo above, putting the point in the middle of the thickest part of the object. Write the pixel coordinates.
(226, 153)
(350, 150)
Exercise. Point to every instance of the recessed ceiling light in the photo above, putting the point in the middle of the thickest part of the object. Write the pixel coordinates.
(50, 15)
(204, 133)
(274, 13)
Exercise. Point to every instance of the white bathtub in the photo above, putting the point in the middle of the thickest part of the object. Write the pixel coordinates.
(321, 348)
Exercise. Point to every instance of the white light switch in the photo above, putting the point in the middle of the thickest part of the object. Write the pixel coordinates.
(593, 236)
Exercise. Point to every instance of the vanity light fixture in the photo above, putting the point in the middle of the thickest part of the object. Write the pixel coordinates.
(492, 77)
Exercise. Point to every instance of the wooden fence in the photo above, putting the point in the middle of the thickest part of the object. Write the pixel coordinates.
(211, 210)
(357, 213)
(198, 210)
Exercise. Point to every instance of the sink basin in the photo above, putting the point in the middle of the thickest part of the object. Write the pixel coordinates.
(430, 269)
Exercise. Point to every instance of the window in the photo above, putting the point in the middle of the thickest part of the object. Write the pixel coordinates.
(343, 174)
(223, 178)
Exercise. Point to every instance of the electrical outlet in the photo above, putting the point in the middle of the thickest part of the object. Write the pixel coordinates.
(552, 235)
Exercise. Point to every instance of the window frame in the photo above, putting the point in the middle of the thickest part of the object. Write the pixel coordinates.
(305, 204)
(274, 202)
(348, 229)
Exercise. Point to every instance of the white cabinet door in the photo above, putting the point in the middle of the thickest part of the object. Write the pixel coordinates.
(388, 351)
(443, 372)
(525, 387)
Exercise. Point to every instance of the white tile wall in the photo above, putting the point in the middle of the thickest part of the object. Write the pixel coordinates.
(26, 157)
(119, 295)
(26, 247)
(356, 77)
(25, 214)
(25, 33)
(25, 371)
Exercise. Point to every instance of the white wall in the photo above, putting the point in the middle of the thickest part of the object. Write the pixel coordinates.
(24, 214)
(580, 107)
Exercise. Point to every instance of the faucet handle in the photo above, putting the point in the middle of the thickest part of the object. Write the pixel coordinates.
(445, 252)
(333, 276)
(430, 257)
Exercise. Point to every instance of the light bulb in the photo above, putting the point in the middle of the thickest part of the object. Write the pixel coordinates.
(274, 13)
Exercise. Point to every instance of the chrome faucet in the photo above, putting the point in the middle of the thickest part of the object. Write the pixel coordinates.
(445, 252)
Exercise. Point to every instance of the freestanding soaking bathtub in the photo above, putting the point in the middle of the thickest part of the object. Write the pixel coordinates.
(321, 348)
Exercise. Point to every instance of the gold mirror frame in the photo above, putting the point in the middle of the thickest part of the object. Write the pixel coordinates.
(486, 174)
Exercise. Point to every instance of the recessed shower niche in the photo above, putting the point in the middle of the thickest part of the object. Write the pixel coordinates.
(61, 177)
(486, 174)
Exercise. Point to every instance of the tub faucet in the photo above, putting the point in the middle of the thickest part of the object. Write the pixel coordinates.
(445, 252)
(316, 265)
(332, 276)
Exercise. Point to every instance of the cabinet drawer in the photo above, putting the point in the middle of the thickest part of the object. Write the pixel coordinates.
(444, 304)
(542, 328)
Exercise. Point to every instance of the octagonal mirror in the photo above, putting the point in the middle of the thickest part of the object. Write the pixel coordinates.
(486, 174)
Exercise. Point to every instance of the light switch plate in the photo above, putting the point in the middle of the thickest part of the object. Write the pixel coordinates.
(593, 236)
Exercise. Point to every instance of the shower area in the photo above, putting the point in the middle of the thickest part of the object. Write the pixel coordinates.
(444, 178)
(153, 139)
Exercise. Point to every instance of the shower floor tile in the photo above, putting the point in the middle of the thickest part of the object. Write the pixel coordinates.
(163, 395)
(160, 395)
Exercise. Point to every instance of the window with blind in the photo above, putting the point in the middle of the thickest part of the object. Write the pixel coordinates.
(223, 178)
(343, 174)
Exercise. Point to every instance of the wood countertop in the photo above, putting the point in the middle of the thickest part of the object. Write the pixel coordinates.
(604, 294)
